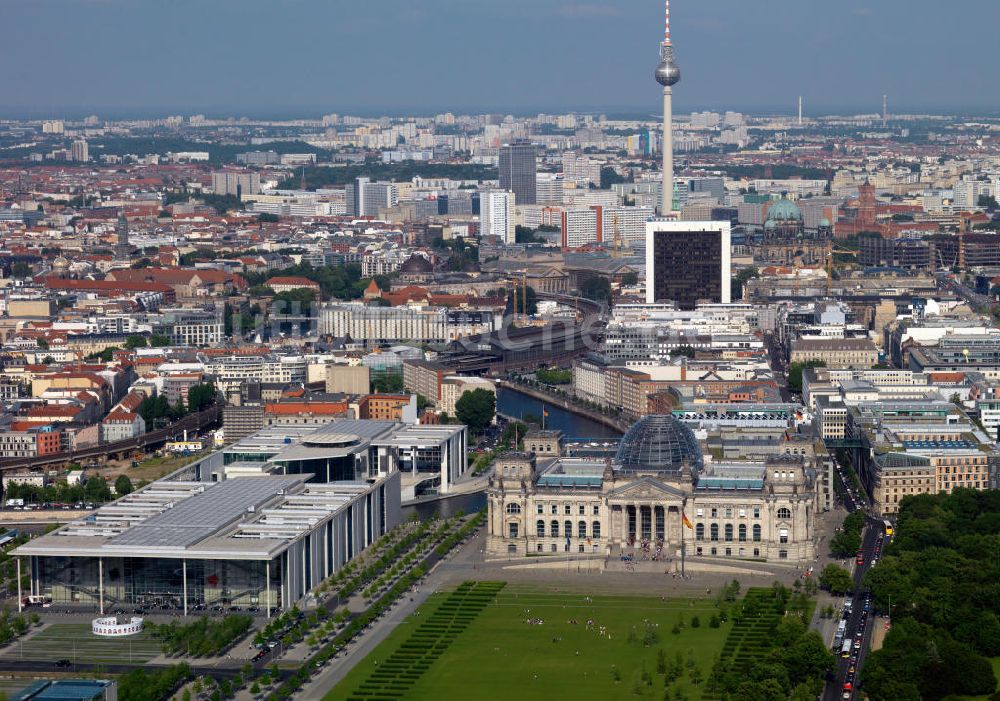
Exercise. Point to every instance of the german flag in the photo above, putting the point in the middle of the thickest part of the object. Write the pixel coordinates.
(687, 521)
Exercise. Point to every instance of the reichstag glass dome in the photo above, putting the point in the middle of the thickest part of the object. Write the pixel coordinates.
(658, 443)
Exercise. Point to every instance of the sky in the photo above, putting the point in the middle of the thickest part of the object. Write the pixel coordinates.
(311, 57)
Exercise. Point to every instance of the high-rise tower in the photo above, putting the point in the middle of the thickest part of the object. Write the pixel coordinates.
(518, 171)
(667, 75)
(122, 248)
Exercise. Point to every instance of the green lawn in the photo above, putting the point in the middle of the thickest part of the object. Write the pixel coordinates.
(74, 641)
(500, 655)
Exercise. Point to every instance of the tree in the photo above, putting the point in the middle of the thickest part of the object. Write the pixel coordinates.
(630, 279)
(609, 177)
(524, 234)
(387, 383)
(988, 201)
(158, 340)
(795, 373)
(740, 279)
(20, 270)
(807, 658)
(200, 396)
(836, 579)
(476, 409)
(134, 341)
(596, 288)
(123, 485)
(42, 343)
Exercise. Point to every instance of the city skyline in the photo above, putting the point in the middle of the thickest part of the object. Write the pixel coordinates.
(314, 58)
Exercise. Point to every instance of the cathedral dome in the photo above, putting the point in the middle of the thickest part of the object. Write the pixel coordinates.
(416, 264)
(784, 210)
(658, 443)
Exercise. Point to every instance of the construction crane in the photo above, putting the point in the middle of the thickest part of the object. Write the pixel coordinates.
(620, 244)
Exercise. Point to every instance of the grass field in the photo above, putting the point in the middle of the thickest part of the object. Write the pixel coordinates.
(74, 641)
(497, 654)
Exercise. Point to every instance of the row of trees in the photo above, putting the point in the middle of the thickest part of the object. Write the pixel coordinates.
(554, 376)
(792, 664)
(145, 685)
(847, 541)
(159, 407)
(204, 637)
(94, 490)
(941, 575)
(338, 282)
(795, 373)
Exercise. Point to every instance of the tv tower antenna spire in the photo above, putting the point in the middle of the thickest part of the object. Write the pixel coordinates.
(667, 74)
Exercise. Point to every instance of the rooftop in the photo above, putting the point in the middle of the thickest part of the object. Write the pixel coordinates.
(241, 518)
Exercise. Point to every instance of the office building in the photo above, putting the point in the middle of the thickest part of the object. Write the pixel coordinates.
(496, 215)
(688, 263)
(518, 172)
(365, 198)
(264, 541)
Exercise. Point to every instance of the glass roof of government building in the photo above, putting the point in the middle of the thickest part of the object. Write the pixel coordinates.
(658, 443)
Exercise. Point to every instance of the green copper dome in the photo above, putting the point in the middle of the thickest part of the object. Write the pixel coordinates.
(784, 210)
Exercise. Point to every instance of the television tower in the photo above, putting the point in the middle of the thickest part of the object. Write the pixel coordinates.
(667, 75)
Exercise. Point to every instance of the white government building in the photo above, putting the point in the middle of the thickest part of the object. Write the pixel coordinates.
(636, 504)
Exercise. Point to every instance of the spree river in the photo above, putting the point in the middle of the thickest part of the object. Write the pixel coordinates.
(516, 404)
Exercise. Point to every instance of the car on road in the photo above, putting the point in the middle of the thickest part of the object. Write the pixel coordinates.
(63, 663)
(860, 560)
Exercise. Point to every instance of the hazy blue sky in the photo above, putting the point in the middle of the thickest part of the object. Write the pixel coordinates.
(283, 57)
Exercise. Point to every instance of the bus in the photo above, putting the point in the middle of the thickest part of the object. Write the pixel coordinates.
(888, 528)
(845, 650)
(841, 632)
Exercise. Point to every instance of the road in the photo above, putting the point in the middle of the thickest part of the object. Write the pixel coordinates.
(973, 298)
(861, 619)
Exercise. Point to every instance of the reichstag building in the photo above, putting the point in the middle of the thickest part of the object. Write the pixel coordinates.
(657, 495)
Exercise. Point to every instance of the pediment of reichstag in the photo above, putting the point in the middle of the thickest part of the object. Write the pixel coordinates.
(647, 488)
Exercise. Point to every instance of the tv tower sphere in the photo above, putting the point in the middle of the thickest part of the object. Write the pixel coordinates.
(667, 73)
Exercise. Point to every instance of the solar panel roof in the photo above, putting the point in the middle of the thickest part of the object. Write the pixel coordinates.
(203, 515)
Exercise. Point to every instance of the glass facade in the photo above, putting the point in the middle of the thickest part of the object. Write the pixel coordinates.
(687, 267)
(158, 583)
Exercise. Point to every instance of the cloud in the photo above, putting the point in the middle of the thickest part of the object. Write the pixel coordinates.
(588, 10)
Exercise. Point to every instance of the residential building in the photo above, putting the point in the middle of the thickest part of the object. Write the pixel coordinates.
(236, 183)
(496, 215)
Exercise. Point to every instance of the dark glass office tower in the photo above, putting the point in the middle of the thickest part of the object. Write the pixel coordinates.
(518, 171)
(688, 262)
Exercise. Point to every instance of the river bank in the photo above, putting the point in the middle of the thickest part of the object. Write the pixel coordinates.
(610, 427)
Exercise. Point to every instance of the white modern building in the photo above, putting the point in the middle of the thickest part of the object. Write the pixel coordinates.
(497, 217)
